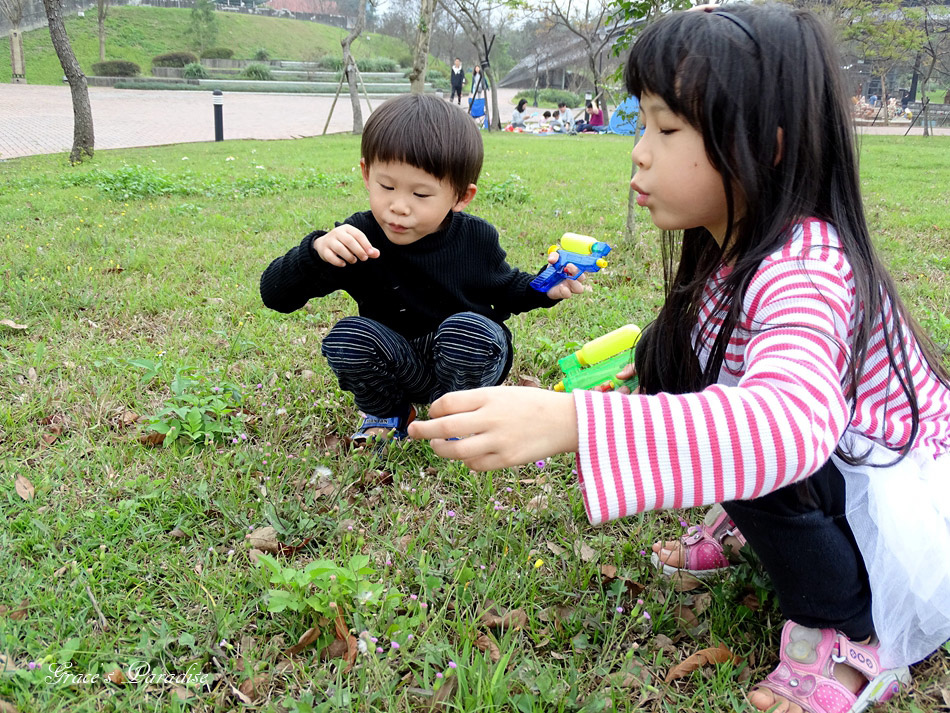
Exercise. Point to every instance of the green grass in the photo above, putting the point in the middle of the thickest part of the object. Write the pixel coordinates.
(141, 266)
(137, 34)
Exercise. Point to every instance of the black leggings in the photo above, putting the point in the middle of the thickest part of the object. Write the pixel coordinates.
(802, 537)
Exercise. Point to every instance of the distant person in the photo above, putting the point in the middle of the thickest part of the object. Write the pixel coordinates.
(557, 126)
(595, 118)
(479, 83)
(431, 282)
(567, 116)
(518, 115)
(458, 81)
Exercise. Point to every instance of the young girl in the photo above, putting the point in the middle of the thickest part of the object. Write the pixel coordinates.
(783, 376)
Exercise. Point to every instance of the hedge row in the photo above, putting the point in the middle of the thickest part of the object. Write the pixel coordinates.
(116, 68)
(174, 59)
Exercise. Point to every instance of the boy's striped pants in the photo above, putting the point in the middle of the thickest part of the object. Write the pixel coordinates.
(386, 372)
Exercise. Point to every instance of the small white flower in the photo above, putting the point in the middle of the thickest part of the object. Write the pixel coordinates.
(229, 158)
(260, 167)
(184, 158)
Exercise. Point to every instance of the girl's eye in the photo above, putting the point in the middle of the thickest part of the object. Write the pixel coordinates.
(667, 132)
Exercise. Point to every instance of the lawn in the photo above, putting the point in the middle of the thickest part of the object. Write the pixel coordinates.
(137, 34)
(129, 583)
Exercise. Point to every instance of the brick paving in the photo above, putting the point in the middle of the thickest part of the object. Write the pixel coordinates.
(37, 119)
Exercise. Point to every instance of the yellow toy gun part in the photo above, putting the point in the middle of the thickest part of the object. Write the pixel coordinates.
(597, 363)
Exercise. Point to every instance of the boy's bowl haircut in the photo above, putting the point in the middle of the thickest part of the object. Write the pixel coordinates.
(428, 133)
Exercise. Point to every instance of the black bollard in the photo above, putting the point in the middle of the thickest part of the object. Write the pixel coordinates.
(218, 115)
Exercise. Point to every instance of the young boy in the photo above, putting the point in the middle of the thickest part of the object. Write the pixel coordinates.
(431, 282)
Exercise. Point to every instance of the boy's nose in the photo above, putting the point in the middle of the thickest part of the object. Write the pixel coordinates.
(399, 207)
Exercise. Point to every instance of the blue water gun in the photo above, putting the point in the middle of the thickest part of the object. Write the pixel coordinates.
(582, 251)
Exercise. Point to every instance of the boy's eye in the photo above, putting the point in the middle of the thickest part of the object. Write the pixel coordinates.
(421, 195)
(385, 187)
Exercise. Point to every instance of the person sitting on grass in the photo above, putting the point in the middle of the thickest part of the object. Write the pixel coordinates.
(783, 377)
(431, 282)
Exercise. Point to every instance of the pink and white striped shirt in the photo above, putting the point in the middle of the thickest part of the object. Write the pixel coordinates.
(778, 410)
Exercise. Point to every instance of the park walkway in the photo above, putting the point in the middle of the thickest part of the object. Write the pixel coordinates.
(38, 119)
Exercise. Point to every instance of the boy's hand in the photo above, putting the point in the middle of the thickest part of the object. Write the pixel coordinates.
(344, 245)
(500, 426)
(566, 288)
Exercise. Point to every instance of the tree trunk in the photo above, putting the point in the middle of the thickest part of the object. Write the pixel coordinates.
(420, 50)
(887, 121)
(350, 70)
(83, 138)
(102, 10)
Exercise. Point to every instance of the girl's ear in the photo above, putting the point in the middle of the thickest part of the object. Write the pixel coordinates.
(466, 198)
(779, 146)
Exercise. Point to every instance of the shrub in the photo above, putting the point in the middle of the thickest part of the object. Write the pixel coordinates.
(329, 62)
(217, 53)
(260, 72)
(261, 54)
(405, 61)
(377, 64)
(195, 71)
(173, 59)
(116, 68)
(550, 97)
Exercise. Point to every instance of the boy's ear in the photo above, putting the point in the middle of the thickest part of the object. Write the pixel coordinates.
(466, 198)
(364, 169)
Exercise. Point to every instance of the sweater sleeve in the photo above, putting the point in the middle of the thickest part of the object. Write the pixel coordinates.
(290, 281)
(510, 288)
(779, 423)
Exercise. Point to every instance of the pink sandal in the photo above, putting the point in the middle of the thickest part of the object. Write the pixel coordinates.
(805, 674)
(703, 548)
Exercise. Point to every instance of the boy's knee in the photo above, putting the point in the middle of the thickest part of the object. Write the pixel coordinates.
(467, 329)
(350, 334)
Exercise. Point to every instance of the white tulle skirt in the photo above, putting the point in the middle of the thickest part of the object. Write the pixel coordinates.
(900, 515)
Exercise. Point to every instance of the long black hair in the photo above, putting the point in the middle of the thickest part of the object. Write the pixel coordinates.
(762, 85)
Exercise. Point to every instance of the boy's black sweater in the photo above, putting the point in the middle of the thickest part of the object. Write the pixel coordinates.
(412, 288)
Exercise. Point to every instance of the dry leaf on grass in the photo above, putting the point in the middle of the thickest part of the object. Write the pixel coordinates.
(24, 488)
(16, 614)
(7, 707)
(584, 551)
(117, 677)
(343, 635)
(705, 657)
(254, 687)
(308, 637)
(609, 571)
(264, 539)
(555, 549)
(10, 324)
(514, 619)
(525, 380)
(485, 643)
(686, 616)
(537, 504)
(54, 431)
(683, 582)
(152, 439)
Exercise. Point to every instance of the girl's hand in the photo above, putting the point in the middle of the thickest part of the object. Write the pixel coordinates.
(625, 374)
(500, 426)
(344, 245)
(566, 288)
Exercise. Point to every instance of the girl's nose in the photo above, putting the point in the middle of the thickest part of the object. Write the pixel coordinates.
(638, 155)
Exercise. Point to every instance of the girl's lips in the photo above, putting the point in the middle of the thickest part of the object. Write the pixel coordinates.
(642, 198)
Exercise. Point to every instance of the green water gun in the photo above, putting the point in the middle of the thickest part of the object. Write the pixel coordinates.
(596, 364)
